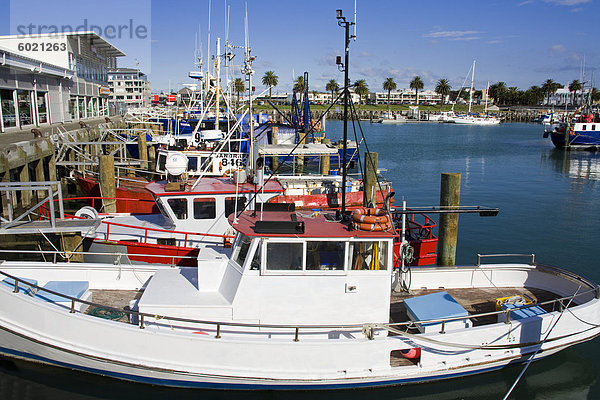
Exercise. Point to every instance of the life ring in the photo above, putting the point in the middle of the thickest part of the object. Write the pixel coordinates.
(412, 353)
(371, 216)
(379, 227)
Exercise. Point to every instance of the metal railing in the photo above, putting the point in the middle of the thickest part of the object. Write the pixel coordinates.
(366, 328)
(11, 188)
(480, 256)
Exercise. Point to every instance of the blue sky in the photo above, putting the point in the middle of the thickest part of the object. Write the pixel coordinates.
(521, 42)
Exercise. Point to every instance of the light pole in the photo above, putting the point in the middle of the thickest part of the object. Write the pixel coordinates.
(344, 67)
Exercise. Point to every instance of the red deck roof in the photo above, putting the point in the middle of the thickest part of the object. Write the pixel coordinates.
(315, 225)
(210, 185)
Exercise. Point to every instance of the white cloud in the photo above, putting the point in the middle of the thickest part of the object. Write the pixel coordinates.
(567, 2)
(453, 35)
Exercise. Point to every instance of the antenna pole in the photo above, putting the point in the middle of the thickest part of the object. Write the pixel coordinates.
(346, 25)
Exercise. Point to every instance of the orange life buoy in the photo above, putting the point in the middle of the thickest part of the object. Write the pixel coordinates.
(372, 227)
(370, 216)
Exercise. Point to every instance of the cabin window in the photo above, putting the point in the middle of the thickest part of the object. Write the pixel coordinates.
(192, 163)
(325, 256)
(230, 204)
(594, 127)
(179, 207)
(241, 249)
(205, 208)
(368, 256)
(284, 256)
(162, 160)
(583, 127)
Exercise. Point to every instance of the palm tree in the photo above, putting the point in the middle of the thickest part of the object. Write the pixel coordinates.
(574, 87)
(361, 88)
(332, 86)
(299, 84)
(238, 87)
(443, 88)
(389, 85)
(416, 84)
(549, 87)
(271, 80)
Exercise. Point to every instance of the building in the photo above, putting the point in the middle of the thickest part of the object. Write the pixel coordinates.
(406, 96)
(128, 87)
(53, 78)
(563, 97)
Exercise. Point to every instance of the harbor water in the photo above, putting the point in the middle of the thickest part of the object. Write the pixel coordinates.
(549, 201)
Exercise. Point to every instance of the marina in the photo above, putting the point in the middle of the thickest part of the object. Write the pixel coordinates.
(194, 244)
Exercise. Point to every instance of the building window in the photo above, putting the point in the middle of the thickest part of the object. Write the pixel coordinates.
(81, 107)
(42, 110)
(9, 118)
(73, 107)
(24, 100)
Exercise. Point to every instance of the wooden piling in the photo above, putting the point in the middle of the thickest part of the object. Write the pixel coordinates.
(325, 160)
(107, 182)
(370, 179)
(143, 150)
(448, 223)
(72, 245)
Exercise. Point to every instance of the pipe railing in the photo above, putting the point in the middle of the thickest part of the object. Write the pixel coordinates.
(367, 328)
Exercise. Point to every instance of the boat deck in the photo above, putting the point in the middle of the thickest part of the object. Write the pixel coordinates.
(118, 299)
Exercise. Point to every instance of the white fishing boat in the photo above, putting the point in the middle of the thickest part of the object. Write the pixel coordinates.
(301, 301)
(391, 118)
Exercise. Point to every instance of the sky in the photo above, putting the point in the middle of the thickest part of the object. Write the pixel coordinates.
(521, 43)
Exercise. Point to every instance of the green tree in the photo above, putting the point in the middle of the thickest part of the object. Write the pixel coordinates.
(417, 84)
(361, 88)
(443, 88)
(550, 87)
(389, 85)
(574, 87)
(595, 95)
(299, 84)
(332, 86)
(238, 87)
(271, 80)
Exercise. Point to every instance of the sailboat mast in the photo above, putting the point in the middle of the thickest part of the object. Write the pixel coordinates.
(471, 91)
(217, 82)
(487, 90)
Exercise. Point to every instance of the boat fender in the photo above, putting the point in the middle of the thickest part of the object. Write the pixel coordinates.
(378, 227)
(412, 353)
(87, 212)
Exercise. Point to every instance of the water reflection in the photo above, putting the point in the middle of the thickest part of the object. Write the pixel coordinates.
(579, 165)
(565, 375)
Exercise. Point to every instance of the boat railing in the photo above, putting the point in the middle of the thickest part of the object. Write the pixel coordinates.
(118, 259)
(148, 229)
(480, 256)
(368, 329)
(45, 212)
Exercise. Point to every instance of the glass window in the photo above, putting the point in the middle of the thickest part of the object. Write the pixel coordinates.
(230, 205)
(192, 163)
(368, 256)
(73, 107)
(284, 256)
(24, 100)
(81, 107)
(327, 256)
(241, 249)
(9, 117)
(41, 104)
(205, 208)
(179, 207)
(162, 160)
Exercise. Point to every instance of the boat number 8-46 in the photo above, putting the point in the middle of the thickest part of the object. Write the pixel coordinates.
(238, 162)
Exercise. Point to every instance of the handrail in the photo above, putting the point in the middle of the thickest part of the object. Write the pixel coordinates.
(480, 256)
(367, 328)
(116, 255)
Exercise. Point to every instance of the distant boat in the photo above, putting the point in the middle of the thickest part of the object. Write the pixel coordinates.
(476, 119)
(391, 118)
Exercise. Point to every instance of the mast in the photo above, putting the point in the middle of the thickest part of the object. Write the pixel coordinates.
(487, 90)
(471, 91)
(346, 25)
(217, 83)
